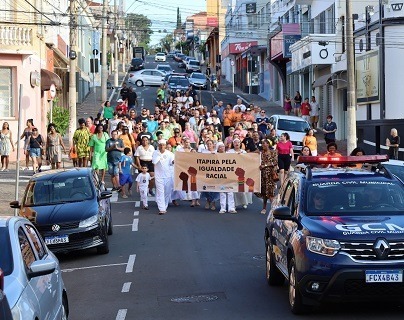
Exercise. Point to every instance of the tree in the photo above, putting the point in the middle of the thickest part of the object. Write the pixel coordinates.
(140, 26)
(166, 42)
(60, 117)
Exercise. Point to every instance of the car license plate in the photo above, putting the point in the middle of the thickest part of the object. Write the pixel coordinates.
(57, 239)
(373, 276)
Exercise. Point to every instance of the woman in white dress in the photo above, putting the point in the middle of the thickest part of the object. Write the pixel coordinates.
(240, 198)
(6, 141)
(211, 197)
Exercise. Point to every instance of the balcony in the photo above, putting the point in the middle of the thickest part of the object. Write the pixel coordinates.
(18, 36)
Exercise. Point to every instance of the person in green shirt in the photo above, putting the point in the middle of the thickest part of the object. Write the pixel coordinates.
(107, 110)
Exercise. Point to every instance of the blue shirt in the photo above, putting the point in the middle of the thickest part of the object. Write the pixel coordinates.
(262, 127)
(126, 161)
(330, 127)
(152, 126)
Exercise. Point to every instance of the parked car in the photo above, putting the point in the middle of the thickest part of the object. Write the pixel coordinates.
(193, 66)
(166, 68)
(396, 167)
(136, 64)
(147, 77)
(160, 56)
(179, 56)
(199, 80)
(183, 63)
(5, 311)
(296, 128)
(177, 83)
(33, 281)
(70, 208)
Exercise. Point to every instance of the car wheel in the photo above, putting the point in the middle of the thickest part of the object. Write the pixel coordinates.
(65, 308)
(104, 248)
(110, 229)
(273, 275)
(295, 297)
(139, 83)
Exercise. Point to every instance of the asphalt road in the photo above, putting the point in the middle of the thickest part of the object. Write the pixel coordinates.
(191, 263)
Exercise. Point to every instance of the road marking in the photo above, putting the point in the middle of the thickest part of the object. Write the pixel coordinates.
(135, 224)
(127, 201)
(137, 204)
(131, 263)
(11, 180)
(121, 314)
(126, 287)
(114, 197)
(136, 213)
(122, 225)
(93, 267)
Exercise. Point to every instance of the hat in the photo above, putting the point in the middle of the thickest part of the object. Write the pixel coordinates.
(162, 141)
(329, 116)
(158, 133)
(119, 100)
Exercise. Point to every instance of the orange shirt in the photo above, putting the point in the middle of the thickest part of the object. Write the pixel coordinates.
(236, 117)
(311, 142)
(227, 118)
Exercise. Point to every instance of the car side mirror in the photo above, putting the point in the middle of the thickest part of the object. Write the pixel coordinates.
(41, 268)
(283, 213)
(105, 195)
(15, 204)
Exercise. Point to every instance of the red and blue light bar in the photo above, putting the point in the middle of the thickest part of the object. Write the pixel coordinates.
(342, 160)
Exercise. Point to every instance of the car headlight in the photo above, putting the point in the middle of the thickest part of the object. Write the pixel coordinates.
(88, 222)
(325, 247)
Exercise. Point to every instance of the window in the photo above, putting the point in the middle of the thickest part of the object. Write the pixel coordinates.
(28, 256)
(5, 10)
(6, 90)
(36, 241)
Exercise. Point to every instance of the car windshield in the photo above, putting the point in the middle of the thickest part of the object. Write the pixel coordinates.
(57, 190)
(137, 60)
(182, 82)
(193, 63)
(198, 76)
(293, 125)
(396, 170)
(160, 54)
(165, 68)
(359, 196)
(6, 257)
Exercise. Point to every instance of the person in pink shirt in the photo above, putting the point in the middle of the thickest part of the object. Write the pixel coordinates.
(242, 133)
(191, 135)
(285, 155)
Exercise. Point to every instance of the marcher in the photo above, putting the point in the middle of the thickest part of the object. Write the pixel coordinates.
(81, 138)
(329, 129)
(107, 110)
(143, 157)
(143, 180)
(25, 135)
(131, 99)
(36, 146)
(358, 152)
(54, 145)
(125, 175)
(310, 141)
(163, 160)
(6, 141)
(285, 155)
(305, 110)
(210, 197)
(314, 112)
(298, 103)
(332, 152)
(114, 148)
(393, 142)
(305, 152)
(269, 165)
(263, 122)
(226, 198)
(98, 155)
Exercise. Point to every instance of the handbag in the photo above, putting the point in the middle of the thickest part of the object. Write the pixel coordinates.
(275, 176)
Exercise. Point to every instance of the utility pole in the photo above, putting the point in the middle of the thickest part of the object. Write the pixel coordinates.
(73, 67)
(104, 68)
(116, 53)
(351, 93)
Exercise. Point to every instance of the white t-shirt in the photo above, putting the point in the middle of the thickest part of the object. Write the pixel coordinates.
(145, 155)
(234, 151)
(143, 180)
(241, 106)
(314, 109)
(113, 123)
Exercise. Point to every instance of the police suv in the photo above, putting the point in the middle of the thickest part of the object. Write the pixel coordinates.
(337, 233)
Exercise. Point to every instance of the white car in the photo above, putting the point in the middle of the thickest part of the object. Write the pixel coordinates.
(33, 280)
(160, 56)
(396, 167)
(147, 77)
(296, 127)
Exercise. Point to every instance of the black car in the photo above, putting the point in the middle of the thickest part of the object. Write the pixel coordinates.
(70, 208)
(136, 64)
(177, 83)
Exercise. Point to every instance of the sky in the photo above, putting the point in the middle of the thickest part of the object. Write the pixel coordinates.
(163, 13)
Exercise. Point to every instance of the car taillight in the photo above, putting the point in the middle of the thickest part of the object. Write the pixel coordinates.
(1, 280)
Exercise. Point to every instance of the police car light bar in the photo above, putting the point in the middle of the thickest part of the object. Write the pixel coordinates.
(342, 160)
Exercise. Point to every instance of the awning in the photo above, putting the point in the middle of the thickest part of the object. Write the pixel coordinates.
(321, 81)
(48, 78)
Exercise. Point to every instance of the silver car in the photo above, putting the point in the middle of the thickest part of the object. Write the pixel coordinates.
(198, 80)
(166, 68)
(147, 77)
(33, 280)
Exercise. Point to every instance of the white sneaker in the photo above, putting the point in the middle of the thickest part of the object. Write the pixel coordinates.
(222, 211)
(245, 206)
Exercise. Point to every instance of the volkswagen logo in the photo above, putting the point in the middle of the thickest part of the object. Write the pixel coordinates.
(381, 248)
(55, 228)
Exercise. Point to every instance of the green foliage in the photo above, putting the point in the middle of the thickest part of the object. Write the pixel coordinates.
(167, 42)
(60, 117)
(140, 26)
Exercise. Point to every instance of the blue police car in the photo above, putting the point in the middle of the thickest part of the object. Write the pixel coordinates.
(337, 233)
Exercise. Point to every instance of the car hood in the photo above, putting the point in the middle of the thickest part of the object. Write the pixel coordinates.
(65, 212)
(355, 227)
(295, 136)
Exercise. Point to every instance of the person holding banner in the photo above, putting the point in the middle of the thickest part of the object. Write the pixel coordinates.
(163, 160)
(225, 197)
(241, 198)
(269, 165)
(211, 197)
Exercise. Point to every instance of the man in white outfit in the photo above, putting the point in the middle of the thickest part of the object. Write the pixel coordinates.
(225, 197)
(163, 160)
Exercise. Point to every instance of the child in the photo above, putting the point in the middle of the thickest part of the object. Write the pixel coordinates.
(73, 156)
(142, 180)
(125, 176)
